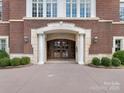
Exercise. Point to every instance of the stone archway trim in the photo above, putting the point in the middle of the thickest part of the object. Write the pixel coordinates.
(38, 40)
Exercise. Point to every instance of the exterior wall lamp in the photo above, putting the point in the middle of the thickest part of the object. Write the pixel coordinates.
(95, 39)
(26, 39)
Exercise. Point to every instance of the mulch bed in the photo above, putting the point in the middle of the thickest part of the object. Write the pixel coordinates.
(111, 67)
(20, 66)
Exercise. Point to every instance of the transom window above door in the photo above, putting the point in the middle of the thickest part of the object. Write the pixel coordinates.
(61, 8)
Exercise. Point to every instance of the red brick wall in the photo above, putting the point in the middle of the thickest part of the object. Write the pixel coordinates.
(5, 14)
(105, 9)
(102, 30)
(16, 37)
(118, 30)
(17, 9)
(4, 29)
(108, 9)
(104, 44)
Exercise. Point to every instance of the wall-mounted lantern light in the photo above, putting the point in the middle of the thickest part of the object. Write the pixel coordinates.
(95, 39)
(26, 39)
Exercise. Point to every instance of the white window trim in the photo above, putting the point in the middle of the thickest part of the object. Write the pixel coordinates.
(93, 8)
(29, 8)
(116, 38)
(7, 42)
(121, 0)
(61, 11)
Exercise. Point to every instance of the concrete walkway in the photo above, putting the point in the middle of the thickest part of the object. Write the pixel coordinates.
(61, 78)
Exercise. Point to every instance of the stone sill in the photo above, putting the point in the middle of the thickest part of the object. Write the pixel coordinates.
(4, 22)
(62, 18)
(119, 23)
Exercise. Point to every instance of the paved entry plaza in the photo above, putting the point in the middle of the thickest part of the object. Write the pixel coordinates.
(61, 78)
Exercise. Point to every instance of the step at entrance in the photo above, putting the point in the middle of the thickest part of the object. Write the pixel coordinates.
(61, 62)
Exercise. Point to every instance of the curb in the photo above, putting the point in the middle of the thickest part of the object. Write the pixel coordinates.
(12, 67)
(91, 65)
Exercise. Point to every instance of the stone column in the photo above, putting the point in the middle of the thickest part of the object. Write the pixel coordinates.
(76, 47)
(41, 49)
(81, 49)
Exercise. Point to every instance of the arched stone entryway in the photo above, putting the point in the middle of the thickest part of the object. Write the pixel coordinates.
(61, 47)
(82, 38)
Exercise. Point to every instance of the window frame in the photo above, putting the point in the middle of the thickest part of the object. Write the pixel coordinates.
(87, 10)
(47, 8)
(61, 10)
(72, 10)
(37, 3)
(118, 44)
(114, 43)
(6, 38)
(3, 45)
(122, 19)
(52, 12)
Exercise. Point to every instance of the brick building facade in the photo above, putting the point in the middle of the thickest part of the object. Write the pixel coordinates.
(44, 29)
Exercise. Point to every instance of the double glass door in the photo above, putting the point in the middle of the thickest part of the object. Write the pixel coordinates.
(61, 49)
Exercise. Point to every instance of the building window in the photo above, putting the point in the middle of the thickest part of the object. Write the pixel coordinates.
(71, 8)
(38, 7)
(122, 11)
(85, 8)
(65, 8)
(118, 44)
(2, 44)
(0, 9)
(51, 8)
(68, 8)
(74, 8)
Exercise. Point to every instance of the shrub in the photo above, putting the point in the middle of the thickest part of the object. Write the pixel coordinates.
(122, 63)
(4, 62)
(3, 54)
(116, 62)
(120, 56)
(15, 62)
(105, 61)
(96, 61)
(25, 60)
